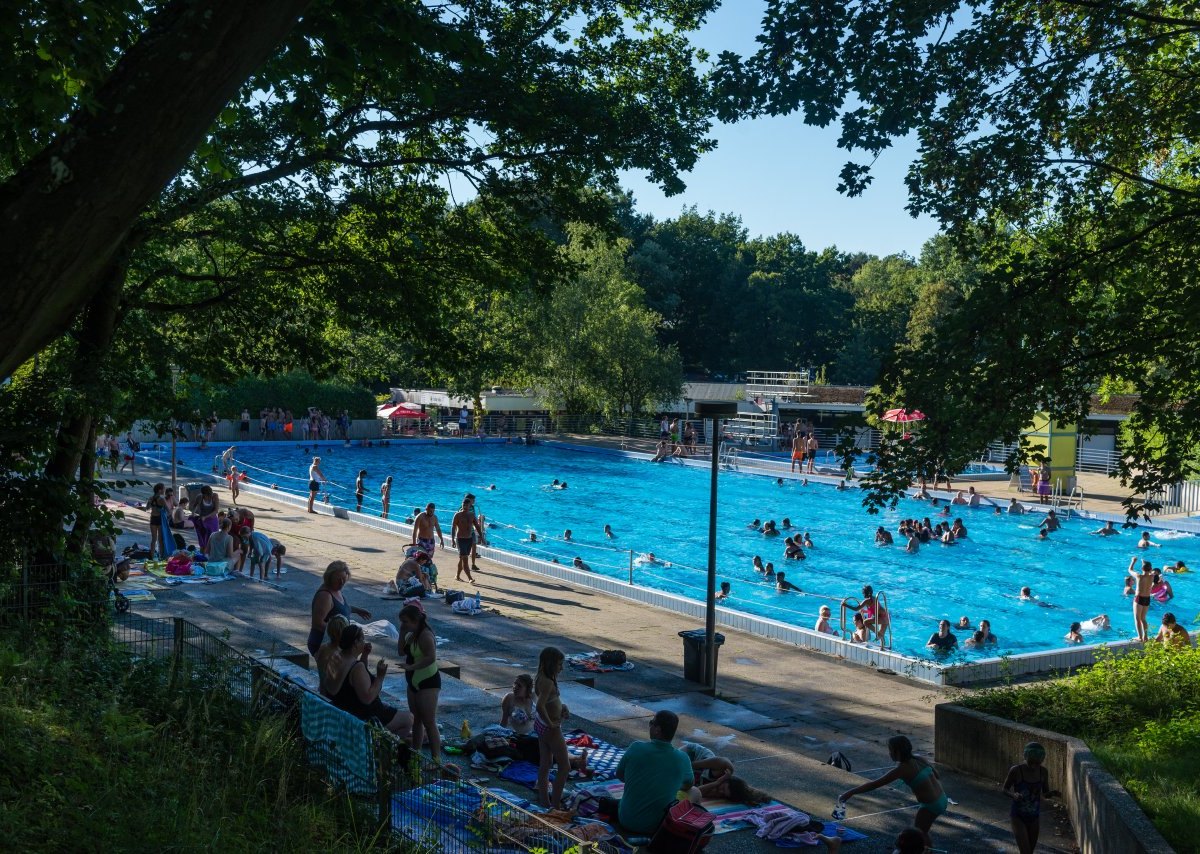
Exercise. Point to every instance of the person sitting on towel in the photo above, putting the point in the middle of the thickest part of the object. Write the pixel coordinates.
(655, 775)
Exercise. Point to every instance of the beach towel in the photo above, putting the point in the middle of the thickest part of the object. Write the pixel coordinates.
(590, 662)
(337, 742)
(775, 825)
(602, 757)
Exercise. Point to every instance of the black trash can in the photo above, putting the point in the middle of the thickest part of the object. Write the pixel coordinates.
(693, 653)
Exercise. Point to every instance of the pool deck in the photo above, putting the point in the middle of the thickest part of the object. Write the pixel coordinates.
(787, 709)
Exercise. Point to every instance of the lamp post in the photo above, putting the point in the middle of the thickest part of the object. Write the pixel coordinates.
(715, 410)
(174, 433)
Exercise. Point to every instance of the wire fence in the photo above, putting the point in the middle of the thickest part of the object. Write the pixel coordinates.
(418, 804)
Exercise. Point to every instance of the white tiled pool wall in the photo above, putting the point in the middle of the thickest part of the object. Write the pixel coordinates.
(964, 673)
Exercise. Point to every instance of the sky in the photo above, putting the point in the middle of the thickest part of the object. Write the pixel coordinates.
(780, 175)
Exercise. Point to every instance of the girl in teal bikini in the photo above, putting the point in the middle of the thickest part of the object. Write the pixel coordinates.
(918, 774)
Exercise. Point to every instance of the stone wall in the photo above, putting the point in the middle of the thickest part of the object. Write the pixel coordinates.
(1105, 817)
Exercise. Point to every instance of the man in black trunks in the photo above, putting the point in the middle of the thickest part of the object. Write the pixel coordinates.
(1141, 600)
(463, 531)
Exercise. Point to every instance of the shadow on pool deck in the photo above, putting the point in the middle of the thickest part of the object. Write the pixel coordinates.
(812, 704)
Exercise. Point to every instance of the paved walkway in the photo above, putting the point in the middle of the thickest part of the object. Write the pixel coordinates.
(781, 710)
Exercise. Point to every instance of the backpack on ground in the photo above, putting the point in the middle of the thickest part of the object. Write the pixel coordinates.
(686, 829)
(613, 657)
(838, 760)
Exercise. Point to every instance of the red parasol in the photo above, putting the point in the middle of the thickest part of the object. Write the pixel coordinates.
(903, 416)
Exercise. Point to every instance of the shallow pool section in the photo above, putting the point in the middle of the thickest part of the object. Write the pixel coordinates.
(663, 508)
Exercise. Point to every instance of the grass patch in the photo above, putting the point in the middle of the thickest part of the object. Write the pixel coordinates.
(1140, 714)
(101, 752)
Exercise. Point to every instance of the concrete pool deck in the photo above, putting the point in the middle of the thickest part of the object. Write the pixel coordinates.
(787, 708)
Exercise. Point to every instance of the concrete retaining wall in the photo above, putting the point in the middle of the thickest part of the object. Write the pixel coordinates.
(1104, 815)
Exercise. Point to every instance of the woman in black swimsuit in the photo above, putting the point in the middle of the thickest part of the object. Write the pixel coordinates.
(156, 504)
(328, 601)
(355, 690)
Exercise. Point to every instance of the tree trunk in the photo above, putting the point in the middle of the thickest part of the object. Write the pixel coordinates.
(66, 212)
(85, 489)
(95, 339)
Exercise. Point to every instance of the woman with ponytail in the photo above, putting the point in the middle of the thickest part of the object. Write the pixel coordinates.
(418, 645)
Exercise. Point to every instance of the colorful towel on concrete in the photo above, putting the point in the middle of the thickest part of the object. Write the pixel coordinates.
(590, 661)
(602, 757)
(772, 822)
(337, 742)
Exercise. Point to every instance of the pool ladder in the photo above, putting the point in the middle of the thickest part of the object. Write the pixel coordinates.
(727, 455)
(881, 603)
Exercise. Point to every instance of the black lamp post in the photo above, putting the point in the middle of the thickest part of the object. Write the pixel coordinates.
(715, 410)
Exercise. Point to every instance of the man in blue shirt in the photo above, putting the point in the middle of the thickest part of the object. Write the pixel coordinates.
(654, 773)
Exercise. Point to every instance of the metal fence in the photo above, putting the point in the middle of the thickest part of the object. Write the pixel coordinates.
(414, 801)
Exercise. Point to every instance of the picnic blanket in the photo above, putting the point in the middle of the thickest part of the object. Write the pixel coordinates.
(590, 829)
(590, 661)
(727, 816)
(602, 757)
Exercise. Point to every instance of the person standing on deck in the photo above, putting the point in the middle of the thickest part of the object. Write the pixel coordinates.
(813, 447)
(315, 478)
(463, 532)
(799, 446)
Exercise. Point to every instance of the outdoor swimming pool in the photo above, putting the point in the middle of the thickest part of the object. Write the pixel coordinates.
(663, 508)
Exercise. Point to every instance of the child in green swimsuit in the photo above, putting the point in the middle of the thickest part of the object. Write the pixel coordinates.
(915, 772)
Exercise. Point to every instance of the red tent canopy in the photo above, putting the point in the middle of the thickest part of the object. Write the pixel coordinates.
(400, 410)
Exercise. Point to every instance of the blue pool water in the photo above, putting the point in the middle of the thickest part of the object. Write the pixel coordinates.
(664, 509)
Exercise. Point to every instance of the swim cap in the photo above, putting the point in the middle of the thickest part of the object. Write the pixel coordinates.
(1033, 750)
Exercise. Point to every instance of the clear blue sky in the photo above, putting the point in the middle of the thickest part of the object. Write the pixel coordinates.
(779, 174)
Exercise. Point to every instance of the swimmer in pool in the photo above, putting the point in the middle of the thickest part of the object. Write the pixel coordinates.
(608, 532)
(1015, 508)
(769, 529)
(758, 564)
(1109, 530)
(1178, 567)
(724, 592)
(782, 585)
(807, 542)
(786, 524)
(1075, 635)
(567, 535)
(579, 564)
(964, 622)
(1146, 543)
(822, 625)
(861, 633)
(882, 536)
(914, 544)
(1128, 591)
(779, 481)
(977, 638)
(841, 487)
(769, 573)
(532, 536)
(1027, 596)
(1100, 623)
(755, 525)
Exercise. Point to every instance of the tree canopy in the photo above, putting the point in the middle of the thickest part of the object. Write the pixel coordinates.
(1057, 146)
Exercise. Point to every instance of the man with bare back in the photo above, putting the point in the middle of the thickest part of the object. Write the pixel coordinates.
(1141, 600)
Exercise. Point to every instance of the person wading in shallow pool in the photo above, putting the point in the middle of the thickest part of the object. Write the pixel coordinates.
(919, 775)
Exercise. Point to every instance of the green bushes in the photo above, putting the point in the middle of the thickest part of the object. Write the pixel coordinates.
(103, 753)
(295, 391)
(1140, 714)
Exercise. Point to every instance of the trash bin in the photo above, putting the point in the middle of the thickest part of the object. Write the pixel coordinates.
(693, 653)
(193, 494)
